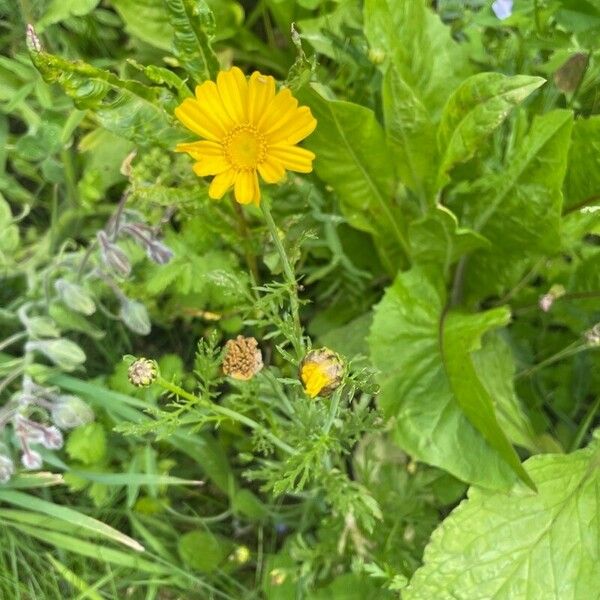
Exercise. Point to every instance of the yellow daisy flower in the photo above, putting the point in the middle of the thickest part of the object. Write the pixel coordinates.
(247, 128)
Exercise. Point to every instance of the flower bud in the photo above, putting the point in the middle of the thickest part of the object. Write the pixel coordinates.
(159, 253)
(52, 438)
(554, 293)
(7, 468)
(135, 316)
(241, 555)
(376, 56)
(321, 372)
(242, 359)
(31, 459)
(277, 576)
(142, 372)
(112, 256)
(592, 336)
(71, 411)
(75, 297)
(63, 353)
(41, 327)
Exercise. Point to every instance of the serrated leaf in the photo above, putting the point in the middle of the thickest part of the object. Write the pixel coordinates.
(418, 46)
(125, 107)
(519, 209)
(351, 157)
(194, 25)
(474, 110)
(443, 415)
(521, 545)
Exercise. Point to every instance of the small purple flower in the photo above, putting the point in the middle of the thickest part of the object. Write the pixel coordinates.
(31, 459)
(503, 8)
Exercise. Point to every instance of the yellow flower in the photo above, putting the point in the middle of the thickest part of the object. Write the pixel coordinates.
(321, 372)
(247, 128)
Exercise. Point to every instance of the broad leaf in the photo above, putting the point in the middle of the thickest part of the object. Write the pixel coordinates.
(128, 108)
(418, 46)
(194, 25)
(352, 158)
(59, 10)
(411, 135)
(519, 209)
(521, 545)
(475, 110)
(437, 238)
(443, 414)
(582, 181)
(146, 20)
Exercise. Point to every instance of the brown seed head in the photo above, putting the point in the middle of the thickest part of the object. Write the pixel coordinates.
(242, 358)
(142, 372)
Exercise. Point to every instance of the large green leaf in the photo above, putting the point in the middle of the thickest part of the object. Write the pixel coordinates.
(475, 109)
(519, 209)
(59, 10)
(352, 158)
(521, 545)
(582, 181)
(418, 46)
(194, 25)
(128, 108)
(443, 414)
(411, 135)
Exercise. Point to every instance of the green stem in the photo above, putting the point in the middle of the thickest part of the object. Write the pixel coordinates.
(570, 350)
(585, 425)
(12, 339)
(289, 276)
(225, 412)
(333, 409)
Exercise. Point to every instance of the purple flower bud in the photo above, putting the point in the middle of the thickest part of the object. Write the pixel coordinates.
(31, 459)
(159, 253)
(112, 256)
(53, 438)
(71, 411)
(7, 468)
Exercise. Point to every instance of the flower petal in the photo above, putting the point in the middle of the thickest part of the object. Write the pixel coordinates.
(211, 103)
(221, 184)
(199, 149)
(233, 89)
(261, 91)
(246, 187)
(293, 157)
(211, 165)
(194, 118)
(271, 170)
(299, 125)
(278, 111)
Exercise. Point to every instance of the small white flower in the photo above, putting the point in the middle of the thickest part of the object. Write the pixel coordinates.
(503, 8)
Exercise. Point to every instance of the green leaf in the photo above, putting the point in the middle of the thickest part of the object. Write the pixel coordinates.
(203, 551)
(64, 513)
(194, 26)
(87, 444)
(59, 10)
(147, 20)
(437, 239)
(520, 545)
(443, 414)
(519, 209)
(475, 110)
(9, 232)
(352, 157)
(128, 108)
(582, 181)
(418, 46)
(411, 135)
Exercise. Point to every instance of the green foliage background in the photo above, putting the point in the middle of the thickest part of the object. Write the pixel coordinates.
(446, 245)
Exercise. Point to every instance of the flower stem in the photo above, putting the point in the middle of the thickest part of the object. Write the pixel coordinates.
(289, 276)
(225, 412)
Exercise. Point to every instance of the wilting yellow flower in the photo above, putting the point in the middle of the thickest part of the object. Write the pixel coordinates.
(247, 128)
(321, 372)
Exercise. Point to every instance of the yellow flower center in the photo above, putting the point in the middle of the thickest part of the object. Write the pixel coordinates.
(245, 147)
(315, 378)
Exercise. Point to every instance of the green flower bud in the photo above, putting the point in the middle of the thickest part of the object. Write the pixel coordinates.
(376, 56)
(41, 327)
(135, 316)
(75, 297)
(63, 353)
(69, 412)
(142, 372)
